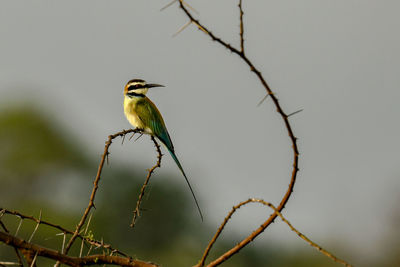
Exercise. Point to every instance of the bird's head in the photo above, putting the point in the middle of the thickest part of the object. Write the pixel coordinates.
(138, 87)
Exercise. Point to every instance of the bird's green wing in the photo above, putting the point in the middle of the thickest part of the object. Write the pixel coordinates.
(151, 117)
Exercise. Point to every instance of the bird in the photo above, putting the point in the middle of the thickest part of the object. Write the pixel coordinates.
(143, 114)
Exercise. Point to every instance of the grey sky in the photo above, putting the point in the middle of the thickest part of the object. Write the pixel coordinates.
(337, 60)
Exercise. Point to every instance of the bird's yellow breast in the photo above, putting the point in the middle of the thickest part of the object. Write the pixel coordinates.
(130, 112)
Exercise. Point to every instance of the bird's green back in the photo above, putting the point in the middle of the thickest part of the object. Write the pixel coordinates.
(151, 118)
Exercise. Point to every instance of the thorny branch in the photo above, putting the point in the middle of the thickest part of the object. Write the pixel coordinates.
(72, 261)
(96, 185)
(252, 200)
(95, 243)
(284, 116)
(136, 212)
(76, 234)
(293, 139)
(2, 212)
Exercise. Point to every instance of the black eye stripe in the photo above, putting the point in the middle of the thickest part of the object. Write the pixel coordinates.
(136, 86)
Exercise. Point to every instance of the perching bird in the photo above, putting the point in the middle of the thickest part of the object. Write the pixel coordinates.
(144, 115)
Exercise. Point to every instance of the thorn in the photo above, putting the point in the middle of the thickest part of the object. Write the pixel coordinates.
(37, 225)
(34, 260)
(168, 5)
(19, 225)
(108, 153)
(182, 28)
(262, 100)
(293, 113)
(123, 138)
(190, 7)
(63, 243)
(141, 134)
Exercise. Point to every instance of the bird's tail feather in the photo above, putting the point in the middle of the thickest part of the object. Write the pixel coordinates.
(187, 180)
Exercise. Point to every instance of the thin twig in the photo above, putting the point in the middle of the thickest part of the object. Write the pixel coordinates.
(136, 212)
(241, 33)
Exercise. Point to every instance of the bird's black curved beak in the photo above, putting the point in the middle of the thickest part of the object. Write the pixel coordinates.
(153, 85)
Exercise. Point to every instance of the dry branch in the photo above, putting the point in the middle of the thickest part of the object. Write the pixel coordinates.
(96, 185)
(72, 261)
(136, 212)
(284, 116)
(95, 243)
(252, 200)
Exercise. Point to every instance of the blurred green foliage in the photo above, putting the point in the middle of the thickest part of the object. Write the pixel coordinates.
(42, 168)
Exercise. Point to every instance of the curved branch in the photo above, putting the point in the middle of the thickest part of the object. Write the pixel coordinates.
(72, 261)
(285, 119)
(252, 200)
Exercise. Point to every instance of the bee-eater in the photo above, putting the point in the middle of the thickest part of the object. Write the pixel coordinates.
(143, 114)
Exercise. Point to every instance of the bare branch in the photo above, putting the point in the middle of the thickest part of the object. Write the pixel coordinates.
(96, 185)
(64, 231)
(284, 117)
(250, 200)
(136, 212)
(72, 261)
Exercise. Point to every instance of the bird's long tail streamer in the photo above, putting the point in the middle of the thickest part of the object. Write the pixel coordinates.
(187, 180)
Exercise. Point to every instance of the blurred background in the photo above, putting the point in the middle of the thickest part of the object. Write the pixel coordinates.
(63, 66)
